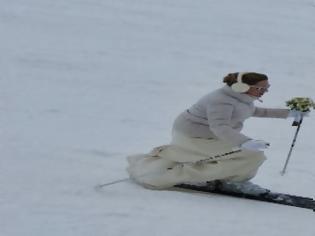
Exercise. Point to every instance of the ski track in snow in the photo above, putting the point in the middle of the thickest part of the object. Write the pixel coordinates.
(85, 83)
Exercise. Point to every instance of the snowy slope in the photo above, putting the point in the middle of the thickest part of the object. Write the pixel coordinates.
(83, 83)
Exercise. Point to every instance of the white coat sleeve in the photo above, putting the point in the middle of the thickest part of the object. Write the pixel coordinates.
(271, 112)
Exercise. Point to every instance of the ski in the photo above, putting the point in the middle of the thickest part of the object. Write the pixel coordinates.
(272, 197)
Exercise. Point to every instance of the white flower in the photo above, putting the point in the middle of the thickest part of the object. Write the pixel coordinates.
(301, 104)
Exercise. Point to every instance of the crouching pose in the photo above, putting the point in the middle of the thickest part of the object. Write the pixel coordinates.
(207, 143)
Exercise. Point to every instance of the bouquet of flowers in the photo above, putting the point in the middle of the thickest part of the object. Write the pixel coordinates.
(301, 104)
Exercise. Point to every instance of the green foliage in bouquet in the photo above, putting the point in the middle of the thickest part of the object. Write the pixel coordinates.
(301, 104)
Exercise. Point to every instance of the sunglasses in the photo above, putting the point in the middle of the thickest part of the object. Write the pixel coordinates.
(261, 89)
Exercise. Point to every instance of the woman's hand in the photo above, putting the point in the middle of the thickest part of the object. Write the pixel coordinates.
(297, 115)
(255, 145)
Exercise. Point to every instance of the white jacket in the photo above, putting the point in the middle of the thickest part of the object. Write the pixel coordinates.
(221, 114)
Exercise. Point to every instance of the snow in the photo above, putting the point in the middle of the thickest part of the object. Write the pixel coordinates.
(85, 83)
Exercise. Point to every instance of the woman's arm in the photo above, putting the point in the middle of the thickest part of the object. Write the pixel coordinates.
(271, 112)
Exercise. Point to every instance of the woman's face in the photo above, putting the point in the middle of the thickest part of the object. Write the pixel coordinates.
(259, 89)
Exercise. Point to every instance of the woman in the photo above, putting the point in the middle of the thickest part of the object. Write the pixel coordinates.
(207, 143)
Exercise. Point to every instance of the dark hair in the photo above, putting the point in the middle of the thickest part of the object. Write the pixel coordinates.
(250, 78)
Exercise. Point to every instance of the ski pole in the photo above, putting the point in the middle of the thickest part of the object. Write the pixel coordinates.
(99, 186)
(292, 145)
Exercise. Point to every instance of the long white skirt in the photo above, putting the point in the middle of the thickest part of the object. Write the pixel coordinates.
(192, 160)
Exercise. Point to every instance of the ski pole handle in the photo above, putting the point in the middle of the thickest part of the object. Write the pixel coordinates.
(297, 120)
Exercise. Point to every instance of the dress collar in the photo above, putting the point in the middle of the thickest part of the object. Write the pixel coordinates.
(239, 96)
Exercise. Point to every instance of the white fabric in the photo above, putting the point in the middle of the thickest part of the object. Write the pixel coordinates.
(255, 145)
(163, 167)
(210, 128)
(221, 115)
